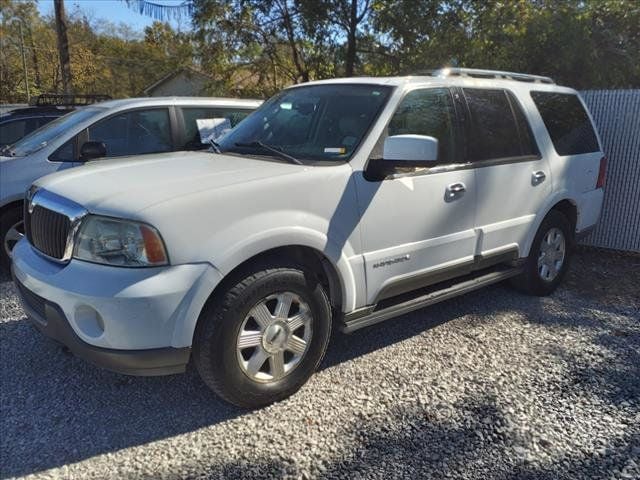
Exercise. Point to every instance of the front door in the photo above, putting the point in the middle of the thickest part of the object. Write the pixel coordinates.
(418, 226)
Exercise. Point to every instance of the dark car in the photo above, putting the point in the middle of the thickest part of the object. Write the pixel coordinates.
(17, 123)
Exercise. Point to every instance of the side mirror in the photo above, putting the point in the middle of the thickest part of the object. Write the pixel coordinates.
(91, 150)
(411, 150)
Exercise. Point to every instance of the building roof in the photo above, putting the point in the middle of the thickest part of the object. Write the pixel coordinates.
(188, 70)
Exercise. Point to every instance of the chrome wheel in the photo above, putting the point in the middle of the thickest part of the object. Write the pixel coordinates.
(274, 337)
(552, 254)
(13, 236)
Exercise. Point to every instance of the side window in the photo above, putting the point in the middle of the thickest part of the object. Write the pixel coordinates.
(134, 133)
(427, 112)
(190, 115)
(13, 131)
(567, 123)
(66, 153)
(494, 132)
(528, 144)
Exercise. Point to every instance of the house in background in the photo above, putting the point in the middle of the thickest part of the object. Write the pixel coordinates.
(184, 82)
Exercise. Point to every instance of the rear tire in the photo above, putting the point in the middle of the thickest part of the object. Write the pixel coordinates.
(548, 258)
(261, 338)
(11, 231)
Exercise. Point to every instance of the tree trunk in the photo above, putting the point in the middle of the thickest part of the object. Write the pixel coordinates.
(351, 39)
(63, 45)
(34, 57)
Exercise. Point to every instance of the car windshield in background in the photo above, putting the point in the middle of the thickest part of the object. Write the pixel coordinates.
(317, 122)
(40, 138)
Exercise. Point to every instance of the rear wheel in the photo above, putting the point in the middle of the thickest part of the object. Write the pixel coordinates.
(549, 256)
(11, 232)
(261, 339)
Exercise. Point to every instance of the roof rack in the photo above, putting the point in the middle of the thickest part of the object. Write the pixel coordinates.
(60, 100)
(479, 73)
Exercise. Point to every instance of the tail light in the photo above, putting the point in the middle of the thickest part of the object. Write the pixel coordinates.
(602, 173)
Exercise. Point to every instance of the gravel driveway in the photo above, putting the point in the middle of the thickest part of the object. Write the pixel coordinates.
(490, 385)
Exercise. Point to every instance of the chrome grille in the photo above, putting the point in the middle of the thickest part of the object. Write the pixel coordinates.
(48, 231)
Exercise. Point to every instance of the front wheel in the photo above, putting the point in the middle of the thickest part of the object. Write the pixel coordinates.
(548, 258)
(261, 339)
(11, 232)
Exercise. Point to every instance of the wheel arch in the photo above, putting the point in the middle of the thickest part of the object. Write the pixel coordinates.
(562, 203)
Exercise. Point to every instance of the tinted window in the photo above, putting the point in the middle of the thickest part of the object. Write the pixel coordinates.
(494, 133)
(60, 126)
(528, 144)
(427, 112)
(134, 133)
(190, 115)
(65, 153)
(567, 122)
(317, 122)
(11, 132)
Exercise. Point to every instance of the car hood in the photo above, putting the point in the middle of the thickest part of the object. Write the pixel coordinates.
(132, 184)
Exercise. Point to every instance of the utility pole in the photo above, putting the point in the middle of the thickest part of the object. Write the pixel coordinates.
(24, 62)
(63, 45)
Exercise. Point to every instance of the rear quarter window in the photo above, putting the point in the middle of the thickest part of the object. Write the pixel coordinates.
(567, 122)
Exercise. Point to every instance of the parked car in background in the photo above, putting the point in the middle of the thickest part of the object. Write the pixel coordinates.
(339, 203)
(20, 122)
(110, 129)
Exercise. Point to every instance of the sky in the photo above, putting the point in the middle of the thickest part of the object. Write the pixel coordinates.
(115, 11)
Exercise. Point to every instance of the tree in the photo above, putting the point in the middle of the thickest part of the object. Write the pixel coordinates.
(63, 45)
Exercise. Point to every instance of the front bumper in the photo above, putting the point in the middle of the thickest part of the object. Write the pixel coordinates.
(138, 321)
(51, 321)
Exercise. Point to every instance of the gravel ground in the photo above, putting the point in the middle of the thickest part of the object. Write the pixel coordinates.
(490, 385)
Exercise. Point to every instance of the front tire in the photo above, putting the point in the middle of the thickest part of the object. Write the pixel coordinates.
(548, 259)
(261, 338)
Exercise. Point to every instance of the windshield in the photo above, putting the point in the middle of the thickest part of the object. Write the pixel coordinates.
(40, 138)
(316, 122)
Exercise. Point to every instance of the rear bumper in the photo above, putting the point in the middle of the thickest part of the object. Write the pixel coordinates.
(51, 321)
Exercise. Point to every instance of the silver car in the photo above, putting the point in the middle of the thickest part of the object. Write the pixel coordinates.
(110, 129)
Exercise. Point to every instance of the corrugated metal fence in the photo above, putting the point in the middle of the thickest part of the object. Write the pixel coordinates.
(617, 116)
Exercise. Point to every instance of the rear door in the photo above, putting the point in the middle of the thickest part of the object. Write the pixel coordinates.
(513, 180)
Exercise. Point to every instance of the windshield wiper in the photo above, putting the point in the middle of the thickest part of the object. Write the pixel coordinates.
(270, 148)
(7, 152)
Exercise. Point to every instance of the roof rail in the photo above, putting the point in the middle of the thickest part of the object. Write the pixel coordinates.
(479, 73)
(61, 99)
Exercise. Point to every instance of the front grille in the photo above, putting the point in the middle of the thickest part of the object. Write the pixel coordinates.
(33, 301)
(47, 231)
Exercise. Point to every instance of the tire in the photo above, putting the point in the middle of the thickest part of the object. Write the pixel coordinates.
(232, 315)
(9, 221)
(534, 280)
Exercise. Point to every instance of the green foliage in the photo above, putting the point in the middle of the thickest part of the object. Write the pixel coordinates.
(256, 47)
(105, 58)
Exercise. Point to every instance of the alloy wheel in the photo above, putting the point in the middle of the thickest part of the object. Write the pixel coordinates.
(274, 337)
(552, 254)
(13, 236)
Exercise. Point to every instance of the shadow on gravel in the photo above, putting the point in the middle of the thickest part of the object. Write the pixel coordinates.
(56, 409)
(409, 444)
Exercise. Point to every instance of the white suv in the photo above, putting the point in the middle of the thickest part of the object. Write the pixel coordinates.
(343, 202)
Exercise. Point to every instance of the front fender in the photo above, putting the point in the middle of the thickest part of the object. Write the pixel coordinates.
(341, 256)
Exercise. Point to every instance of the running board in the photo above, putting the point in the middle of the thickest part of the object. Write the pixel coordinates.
(370, 316)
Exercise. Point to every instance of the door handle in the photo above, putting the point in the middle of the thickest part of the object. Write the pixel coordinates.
(454, 191)
(538, 177)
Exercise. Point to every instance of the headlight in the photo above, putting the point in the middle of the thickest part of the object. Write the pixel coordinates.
(119, 242)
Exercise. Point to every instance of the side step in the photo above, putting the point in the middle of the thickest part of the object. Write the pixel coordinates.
(372, 315)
